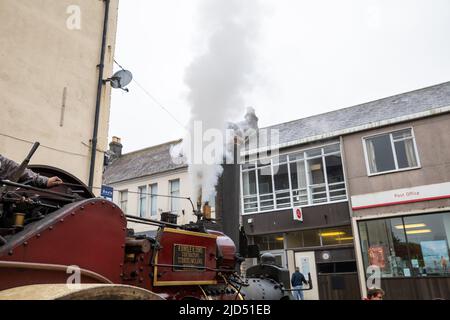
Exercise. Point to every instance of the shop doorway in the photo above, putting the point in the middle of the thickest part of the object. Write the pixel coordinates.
(306, 261)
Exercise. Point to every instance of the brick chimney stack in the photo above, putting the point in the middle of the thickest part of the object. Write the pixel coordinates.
(115, 147)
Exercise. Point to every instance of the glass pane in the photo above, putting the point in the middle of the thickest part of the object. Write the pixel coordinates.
(298, 177)
(332, 148)
(348, 266)
(281, 177)
(314, 152)
(315, 171)
(332, 236)
(428, 243)
(283, 199)
(154, 199)
(174, 191)
(401, 134)
(248, 166)
(406, 153)
(384, 245)
(296, 156)
(311, 238)
(263, 162)
(318, 194)
(175, 187)
(325, 268)
(250, 204)
(269, 242)
(123, 200)
(142, 201)
(379, 153)
(294, 239)
(300, 197)
(334, 168)
(280, 159)
(265, 180)
(249, 182)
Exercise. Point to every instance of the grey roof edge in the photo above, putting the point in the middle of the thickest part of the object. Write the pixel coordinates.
(398, 95)
(333, 134)
(151, 147)
(180, 168)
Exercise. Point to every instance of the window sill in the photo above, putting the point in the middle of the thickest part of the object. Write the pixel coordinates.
(393, 171)
(290, 208)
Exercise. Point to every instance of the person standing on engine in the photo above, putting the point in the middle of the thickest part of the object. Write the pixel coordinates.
(297, 281)
(9, 167)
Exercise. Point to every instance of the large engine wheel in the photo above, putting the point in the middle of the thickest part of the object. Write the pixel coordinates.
(78, 292)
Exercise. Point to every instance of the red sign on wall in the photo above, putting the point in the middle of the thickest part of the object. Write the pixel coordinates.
(297, 213)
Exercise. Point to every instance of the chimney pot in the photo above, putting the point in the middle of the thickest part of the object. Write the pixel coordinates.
(115, 147)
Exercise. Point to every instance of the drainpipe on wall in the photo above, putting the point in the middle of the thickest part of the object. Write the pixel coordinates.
(99, 95)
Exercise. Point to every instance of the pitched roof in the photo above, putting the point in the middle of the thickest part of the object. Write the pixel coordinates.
(373, 112)
(145, 162)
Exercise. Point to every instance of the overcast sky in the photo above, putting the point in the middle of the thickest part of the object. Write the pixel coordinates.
(312, 57)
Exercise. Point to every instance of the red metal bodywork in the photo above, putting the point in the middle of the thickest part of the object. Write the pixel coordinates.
(89, 234)
(92, 235)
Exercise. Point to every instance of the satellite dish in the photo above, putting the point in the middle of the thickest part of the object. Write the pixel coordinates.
(121, 79)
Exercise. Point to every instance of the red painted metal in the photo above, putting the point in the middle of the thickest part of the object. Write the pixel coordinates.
(227, 251)
(89, 234)
(165, 275)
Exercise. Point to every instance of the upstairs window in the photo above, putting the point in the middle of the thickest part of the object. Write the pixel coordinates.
(175, 194)
(123, 198)
(392, 151)
(142, 201)
(154, 199)
(307, 177)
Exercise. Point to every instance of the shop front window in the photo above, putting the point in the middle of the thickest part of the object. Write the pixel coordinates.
(319, 237)
(333, 236)
(269, 241)
(412, 246)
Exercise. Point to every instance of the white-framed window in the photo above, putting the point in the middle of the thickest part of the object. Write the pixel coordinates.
(142, 205)
(123, 200)
(154, 199)
(391, 152)
(306, 177)
(174, 188)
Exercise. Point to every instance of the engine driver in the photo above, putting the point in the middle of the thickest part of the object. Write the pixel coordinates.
(8, 167)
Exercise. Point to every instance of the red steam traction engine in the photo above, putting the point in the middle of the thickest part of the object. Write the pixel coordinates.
(51, 237)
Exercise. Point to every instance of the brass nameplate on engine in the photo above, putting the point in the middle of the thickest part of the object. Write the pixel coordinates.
(187, 257)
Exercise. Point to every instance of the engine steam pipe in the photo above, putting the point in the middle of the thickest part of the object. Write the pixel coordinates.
(151, 221)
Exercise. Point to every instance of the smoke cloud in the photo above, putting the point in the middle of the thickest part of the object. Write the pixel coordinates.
(218, 78)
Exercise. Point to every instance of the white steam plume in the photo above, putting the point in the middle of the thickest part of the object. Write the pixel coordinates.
(219, 77)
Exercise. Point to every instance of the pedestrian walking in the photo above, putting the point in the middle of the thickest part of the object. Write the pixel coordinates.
(297, 281)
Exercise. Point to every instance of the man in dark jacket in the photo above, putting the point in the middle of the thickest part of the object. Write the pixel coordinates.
(297, 280)
(9, 167)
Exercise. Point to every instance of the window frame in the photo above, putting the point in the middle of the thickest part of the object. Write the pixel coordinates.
(151, 197)
(171, 199)
(394, 151)
(269, 162)
(121, 201)
(142, 195)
